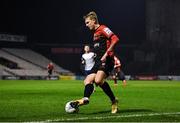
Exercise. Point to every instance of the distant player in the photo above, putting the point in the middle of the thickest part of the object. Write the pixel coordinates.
(117, 72)
(88, 60)
(50, 68)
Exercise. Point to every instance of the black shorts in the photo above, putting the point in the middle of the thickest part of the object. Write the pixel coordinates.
(114, 72)
(49, 72)
(107, 67)
(87, 72)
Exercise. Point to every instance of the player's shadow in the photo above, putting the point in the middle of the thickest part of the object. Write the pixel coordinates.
(124, 111)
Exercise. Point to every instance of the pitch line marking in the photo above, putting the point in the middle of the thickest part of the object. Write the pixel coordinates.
(108, 117)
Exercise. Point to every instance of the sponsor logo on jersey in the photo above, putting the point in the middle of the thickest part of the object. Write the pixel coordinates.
(107, 31)
(96, 45)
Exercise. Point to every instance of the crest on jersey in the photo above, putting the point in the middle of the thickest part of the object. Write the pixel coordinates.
(107, 30)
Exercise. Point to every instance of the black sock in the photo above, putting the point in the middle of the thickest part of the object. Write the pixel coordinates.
(88, 90)
(106, 88)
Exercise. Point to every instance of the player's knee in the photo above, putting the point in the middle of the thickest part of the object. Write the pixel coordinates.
(98, 82)
(87, 82)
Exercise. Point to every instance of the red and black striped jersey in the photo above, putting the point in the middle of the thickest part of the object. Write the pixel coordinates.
(103, 37)
(50, 67)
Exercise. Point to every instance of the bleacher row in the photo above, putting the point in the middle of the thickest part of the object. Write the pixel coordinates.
(29, 63)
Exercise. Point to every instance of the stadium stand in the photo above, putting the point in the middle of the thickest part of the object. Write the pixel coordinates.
(26, 63)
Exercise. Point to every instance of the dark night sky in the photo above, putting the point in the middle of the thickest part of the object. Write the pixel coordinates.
(54, 21)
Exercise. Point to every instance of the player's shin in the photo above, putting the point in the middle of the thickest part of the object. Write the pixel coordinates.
(88, 90)
(115, 81)
(106, 88)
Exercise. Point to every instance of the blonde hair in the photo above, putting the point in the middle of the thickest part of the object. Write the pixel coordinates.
(92, 15)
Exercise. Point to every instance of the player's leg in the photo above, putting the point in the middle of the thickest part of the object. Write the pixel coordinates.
(114, 77)
(99, 80)
(88, 90)
(89, 87)
(115, 80)
(49, 74)
(122, 77)
(88, 72)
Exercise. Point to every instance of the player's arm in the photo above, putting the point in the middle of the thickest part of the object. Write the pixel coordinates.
(82, 65)
(119, 65)
(117, 62)
(82, 61)
(113, 39)
(94, 56)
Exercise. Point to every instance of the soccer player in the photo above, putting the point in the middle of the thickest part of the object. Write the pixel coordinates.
(117, 72)
(88, 59)
(50, 68)
(104, 41)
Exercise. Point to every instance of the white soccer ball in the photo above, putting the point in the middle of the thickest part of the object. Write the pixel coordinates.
(70, 109)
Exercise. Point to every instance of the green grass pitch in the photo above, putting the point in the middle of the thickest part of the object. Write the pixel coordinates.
(44, 100)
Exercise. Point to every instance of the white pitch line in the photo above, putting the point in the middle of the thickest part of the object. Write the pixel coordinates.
(108, 117)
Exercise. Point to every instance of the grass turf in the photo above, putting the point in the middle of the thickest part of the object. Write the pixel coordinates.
(37, 100)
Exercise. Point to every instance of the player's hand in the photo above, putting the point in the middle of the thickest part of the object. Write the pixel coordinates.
(83, 62)
(103, 59)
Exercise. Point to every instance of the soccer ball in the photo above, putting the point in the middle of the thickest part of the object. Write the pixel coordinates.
(69, 108)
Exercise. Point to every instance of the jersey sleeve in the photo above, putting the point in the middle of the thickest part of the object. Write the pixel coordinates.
(114, 38)
(109, 34)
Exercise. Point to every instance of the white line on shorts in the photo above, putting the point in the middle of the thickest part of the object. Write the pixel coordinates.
(109, 117)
